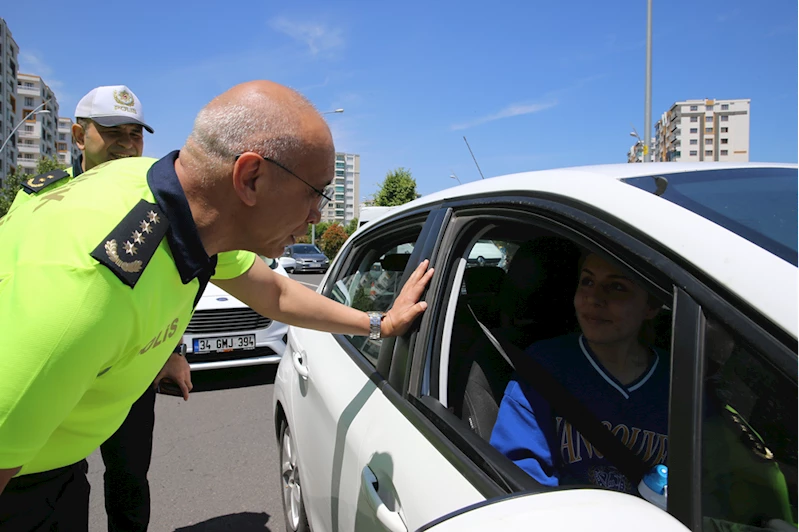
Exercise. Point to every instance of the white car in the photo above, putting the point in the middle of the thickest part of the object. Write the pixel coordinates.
(288, 263)
(226, 333)
(393, 434)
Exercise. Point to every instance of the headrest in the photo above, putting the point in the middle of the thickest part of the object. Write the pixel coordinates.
(483, 279)
(396, 262)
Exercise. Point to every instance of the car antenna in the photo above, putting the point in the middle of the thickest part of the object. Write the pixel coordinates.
(473, 157)
(661, 183)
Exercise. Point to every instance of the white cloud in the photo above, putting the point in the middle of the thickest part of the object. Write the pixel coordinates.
(318, 37)
(516, 109)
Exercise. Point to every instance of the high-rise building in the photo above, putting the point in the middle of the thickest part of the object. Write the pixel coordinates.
(703, 130)
(8, 100)
(344, 206)
(67, 150)
(37, 136)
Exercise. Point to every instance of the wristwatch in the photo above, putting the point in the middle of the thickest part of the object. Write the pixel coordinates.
(180, 349)
(375, 318)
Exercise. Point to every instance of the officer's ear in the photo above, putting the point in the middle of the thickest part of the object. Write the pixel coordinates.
(79, 136)
(246, 171)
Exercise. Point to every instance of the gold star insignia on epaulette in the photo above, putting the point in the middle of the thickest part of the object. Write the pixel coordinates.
(130, 248)
(144, 218)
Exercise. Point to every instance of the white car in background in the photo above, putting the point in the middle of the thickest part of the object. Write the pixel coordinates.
(393, 434)
(226, 333)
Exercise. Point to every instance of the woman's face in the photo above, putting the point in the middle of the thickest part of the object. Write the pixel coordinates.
(610, 307)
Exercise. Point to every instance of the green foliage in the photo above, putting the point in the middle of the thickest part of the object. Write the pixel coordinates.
(352, 226)
(398, 188)
(332, 240)
(13, 181)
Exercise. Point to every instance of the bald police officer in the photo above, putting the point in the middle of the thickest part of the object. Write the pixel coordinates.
(90, 315)
(110, 125)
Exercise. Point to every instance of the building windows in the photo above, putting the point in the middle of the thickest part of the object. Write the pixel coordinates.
(725, 129)
(692, 153)
(28, 129)
(62, 136)
(708, 142)
(708, 119)
(725, 141)
(28, 101)
(725, 107)
(724, 152)
(694, 108)
(708, 153)
(709, 130)
(694, 142)
(725, 118)
(694, 118)
(28, 85)
(694, 130)
(708, 108)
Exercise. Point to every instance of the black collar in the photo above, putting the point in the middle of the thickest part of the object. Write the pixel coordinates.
(184, 239)
(77, 166)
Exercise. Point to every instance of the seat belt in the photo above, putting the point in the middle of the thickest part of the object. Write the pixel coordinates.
(625, 460)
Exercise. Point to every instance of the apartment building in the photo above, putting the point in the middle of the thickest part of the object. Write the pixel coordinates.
(344, 206)
(8, 100)
(67, 150)
(38, 107)
(703, 130)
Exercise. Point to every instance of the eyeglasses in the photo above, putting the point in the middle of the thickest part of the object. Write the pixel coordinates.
(324, 195)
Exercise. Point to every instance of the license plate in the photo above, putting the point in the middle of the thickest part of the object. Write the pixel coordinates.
(224, 344)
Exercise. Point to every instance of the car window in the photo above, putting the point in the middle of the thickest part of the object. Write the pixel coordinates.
(306, 249)
(373, 282)
(759, 204)
(749, 437)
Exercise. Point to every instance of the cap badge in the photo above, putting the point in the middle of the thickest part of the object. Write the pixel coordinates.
(123, 97)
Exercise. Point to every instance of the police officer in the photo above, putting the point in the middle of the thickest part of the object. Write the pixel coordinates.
(109, 126)
(90, 314)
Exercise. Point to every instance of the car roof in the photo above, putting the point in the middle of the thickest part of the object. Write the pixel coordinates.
(732, 261)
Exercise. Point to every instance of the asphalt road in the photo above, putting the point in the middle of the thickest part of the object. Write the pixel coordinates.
(215, 460)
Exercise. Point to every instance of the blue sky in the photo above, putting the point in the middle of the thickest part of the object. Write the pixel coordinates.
(530, 84)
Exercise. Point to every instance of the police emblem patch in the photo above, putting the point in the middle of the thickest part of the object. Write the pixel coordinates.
(123, 97)
(41, 181)
(127, 250)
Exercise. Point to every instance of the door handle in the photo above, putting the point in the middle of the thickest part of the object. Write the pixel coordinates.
(301, 368)
(391, 520)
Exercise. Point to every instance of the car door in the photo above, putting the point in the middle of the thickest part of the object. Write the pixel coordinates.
(422, 371)
(341, 393)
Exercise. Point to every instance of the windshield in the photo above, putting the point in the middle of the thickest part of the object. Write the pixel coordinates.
(307, 249)
(758, 204)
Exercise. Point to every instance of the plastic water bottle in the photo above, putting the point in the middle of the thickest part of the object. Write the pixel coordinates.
(654, 487)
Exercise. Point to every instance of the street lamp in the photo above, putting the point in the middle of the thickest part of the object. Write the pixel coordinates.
(37, 111)
(455, 177)
(332, 112)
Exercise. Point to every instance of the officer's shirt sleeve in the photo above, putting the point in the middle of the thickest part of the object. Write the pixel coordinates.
(59, 328)
(232, 264)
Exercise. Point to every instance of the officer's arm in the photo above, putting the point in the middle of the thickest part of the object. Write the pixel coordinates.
(288, 301)
(6, 475)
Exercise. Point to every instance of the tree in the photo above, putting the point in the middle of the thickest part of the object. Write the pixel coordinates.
(352, 226)
(398, 188)
(332, 240)
(13, 181)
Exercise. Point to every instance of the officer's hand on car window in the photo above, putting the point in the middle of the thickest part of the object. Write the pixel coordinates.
(178, 371)
(407, 306)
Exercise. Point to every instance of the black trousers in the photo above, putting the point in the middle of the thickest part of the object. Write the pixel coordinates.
(127, 456)
(49, 501)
